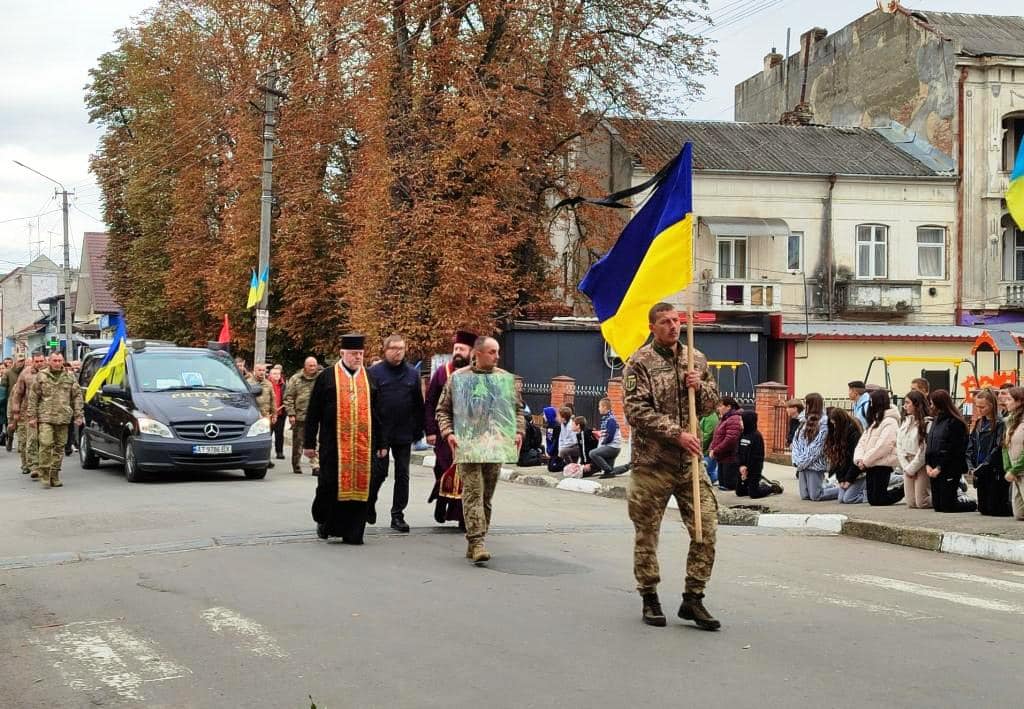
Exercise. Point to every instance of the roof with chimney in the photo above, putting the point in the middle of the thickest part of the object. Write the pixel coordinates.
(769, 148)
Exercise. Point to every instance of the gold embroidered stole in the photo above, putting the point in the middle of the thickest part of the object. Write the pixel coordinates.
(354, 431)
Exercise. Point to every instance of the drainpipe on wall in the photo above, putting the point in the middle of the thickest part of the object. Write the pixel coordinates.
(828, 256)
(958, 284)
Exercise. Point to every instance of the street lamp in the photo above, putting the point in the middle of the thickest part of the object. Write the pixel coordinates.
(67, 257)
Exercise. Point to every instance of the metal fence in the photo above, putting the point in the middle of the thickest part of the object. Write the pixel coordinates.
(537, 395)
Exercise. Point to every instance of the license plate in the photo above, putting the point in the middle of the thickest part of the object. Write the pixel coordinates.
(211, 450)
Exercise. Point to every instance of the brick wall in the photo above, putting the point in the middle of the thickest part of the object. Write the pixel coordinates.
(766, 397)
(615, 393)
(563, 391)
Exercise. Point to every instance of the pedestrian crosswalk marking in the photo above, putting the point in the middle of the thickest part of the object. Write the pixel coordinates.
(808, 594)
(1014, 586)
(255, 638)
(932, 592)
(92, 655)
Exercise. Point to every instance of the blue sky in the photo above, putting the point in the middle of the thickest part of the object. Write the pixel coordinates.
(47, 49)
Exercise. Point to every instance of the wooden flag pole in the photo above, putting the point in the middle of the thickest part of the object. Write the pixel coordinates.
(691, 395)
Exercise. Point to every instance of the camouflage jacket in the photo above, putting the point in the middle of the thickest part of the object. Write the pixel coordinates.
(657, 405)
(264, 400)
(55, 398)
(19, 395)
(10, 381)
(296, 394)
(446, 417)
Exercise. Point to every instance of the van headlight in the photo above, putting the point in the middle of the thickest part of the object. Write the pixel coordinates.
(154, 428)
(259, 428)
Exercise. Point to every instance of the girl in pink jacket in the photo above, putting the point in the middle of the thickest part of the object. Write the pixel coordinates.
(876, 450)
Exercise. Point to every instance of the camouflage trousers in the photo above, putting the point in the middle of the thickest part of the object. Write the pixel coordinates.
(52, 438)
(478, 483)
(28, 447)
(298, 438)
(649, 493)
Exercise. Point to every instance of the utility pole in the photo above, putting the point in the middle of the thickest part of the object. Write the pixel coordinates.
(270, 99)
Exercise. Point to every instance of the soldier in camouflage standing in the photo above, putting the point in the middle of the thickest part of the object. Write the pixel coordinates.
(28, 446)
(296, 403)
(10, 381)
(54, 402)
(655, 381)
(265, 399)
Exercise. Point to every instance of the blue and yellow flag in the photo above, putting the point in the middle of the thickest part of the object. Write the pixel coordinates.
(652, 259)
(111, 369)
(1015, 192)
(254, 285)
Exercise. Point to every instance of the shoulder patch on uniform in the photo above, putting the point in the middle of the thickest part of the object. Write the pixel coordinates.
(630, 383)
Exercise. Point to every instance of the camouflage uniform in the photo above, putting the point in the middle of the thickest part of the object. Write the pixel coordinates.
(656, 406)
(10, 381)
(296, 403)
(54, 402)
(478, 479)
(28, 444)
(265, 400)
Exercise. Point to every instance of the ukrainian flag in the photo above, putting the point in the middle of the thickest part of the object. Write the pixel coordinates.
(1015, 192)
(111, 369)
(652, 259)
(254, 285)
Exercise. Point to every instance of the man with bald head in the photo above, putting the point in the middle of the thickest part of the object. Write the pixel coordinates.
(296, 404)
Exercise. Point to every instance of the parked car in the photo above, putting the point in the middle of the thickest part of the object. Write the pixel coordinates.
(176, 408)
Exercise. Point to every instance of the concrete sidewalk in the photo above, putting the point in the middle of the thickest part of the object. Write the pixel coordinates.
(969, 533)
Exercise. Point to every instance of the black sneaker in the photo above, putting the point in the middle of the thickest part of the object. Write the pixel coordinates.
(653, 615)
(398, 524)
(279, 456)
(321, 531)
(693, 609)
(777, 488)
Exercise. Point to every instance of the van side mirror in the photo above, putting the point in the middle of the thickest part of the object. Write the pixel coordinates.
(114, 391)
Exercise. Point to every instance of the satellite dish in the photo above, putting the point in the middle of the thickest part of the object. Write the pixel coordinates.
(888, 6)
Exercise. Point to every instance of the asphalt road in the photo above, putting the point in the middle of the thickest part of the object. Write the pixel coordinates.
(211, 591)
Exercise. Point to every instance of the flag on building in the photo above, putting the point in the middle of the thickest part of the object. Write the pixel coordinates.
(224, 337)
(1015, 192)
(111, 370)
(652, 259)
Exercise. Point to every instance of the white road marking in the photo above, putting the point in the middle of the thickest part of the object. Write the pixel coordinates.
(808, 594)
(96, 654)
(256, 639)
(932, 592)
(1015, 573)
(1002, 585)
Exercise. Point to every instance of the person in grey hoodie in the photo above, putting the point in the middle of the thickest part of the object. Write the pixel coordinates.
(876, 450)
(808, 452)
(911, 440)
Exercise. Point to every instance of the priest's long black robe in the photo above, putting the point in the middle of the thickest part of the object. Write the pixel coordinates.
(345, 519)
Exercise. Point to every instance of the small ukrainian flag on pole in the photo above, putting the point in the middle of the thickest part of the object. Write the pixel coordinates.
(652, 259)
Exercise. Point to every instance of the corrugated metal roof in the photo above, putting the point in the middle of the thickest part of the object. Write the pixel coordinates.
(978, 35)
(767, 147)
(879, 330)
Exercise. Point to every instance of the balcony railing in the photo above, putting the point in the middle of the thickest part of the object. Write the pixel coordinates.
(1015, 293)
(739, 295)
(878, 296)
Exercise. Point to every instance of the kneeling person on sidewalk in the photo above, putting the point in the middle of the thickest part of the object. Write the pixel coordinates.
(655, 382)
(54, 402)
(478, 479)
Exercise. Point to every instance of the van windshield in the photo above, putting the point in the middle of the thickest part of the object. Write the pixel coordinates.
(176, 371)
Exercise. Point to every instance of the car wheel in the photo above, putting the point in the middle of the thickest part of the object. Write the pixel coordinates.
(131, 464)
(255, 473)
(86, 455)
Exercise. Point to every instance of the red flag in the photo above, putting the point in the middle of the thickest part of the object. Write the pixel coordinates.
(225, 332)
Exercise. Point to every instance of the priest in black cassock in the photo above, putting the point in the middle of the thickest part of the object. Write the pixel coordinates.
(343, 416)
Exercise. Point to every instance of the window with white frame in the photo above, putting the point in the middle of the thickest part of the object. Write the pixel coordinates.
(931, 252)
(1013, 254)
(795, 251)
(872, 250)
(732, 257)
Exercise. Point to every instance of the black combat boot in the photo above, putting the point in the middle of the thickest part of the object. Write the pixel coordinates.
(653, 614)
(693, 609)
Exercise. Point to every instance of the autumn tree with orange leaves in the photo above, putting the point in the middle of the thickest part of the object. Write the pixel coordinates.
(421, 147)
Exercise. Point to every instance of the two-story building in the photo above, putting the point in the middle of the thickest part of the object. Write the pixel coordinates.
(953, 82)
(807, 224)
(20, 293)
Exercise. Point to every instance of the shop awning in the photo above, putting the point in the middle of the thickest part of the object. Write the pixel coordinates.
(746, 226)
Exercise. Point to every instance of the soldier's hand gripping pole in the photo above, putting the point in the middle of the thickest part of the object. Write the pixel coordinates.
(691, 396)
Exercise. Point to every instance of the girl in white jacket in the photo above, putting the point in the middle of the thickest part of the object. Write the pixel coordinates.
(911, 440)
(876, 450)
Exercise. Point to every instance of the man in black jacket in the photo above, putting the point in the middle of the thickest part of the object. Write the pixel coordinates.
(400, 397)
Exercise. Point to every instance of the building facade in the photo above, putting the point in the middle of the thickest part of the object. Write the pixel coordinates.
(20, 293)
(952, 84)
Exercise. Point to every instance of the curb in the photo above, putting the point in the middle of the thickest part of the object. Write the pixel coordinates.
(973, 545)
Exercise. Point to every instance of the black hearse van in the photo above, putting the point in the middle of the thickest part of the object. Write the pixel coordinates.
(177, 408)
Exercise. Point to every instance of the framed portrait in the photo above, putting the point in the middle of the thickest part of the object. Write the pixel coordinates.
(485, 410)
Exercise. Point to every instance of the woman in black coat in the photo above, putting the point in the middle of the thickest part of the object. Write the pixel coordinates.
(945, 456)
(985, 456)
